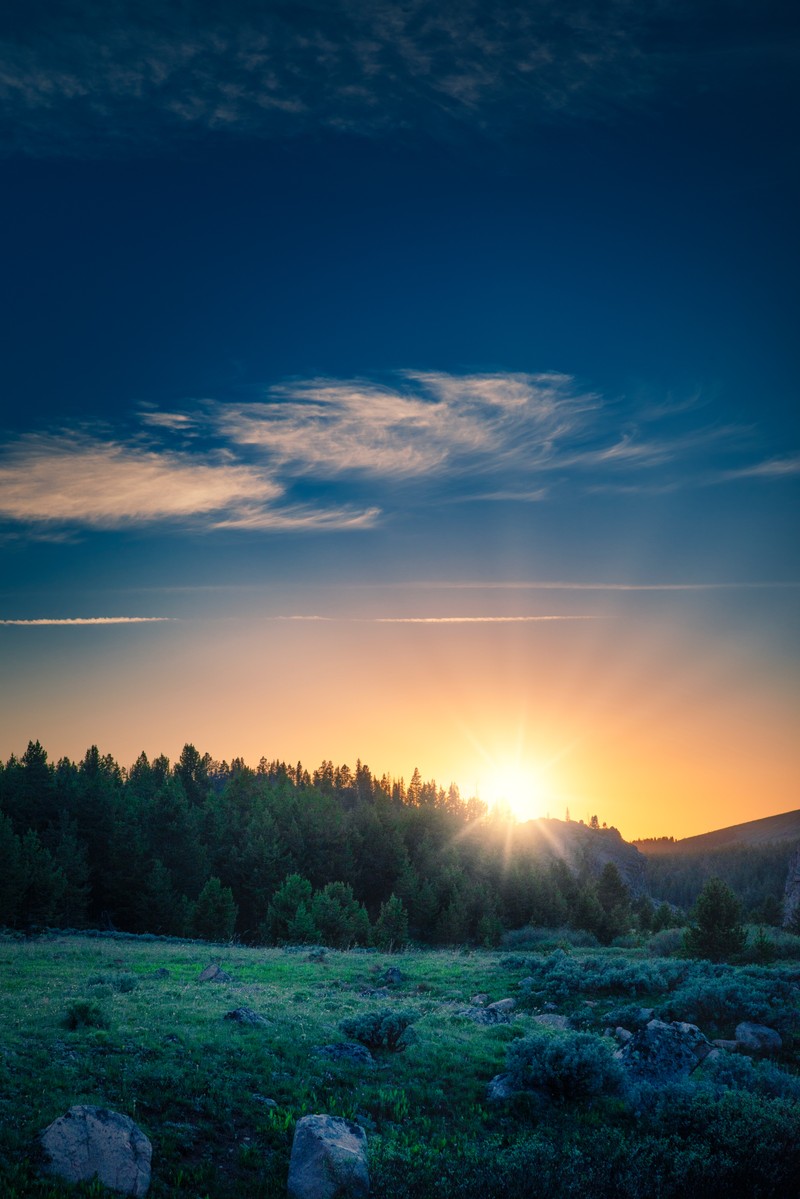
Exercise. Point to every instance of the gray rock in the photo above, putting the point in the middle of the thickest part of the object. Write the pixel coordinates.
(329, 1160)
(90, 1141)
(346, 1051)
(271, 1104)
(500, 1089)
(213, 974)
(391, 977)
(660, 1052)
(245, 1015)
(757, 1038)
(553, 1020)
(623, 1035)
(502, 1005)
(730, 1046)
(486, 1015)
(480, 1000)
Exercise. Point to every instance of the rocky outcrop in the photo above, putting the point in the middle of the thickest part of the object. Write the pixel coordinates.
(91, 1142)
(660, 1053)
(586, 849)
(329, 1160)
(791, 895)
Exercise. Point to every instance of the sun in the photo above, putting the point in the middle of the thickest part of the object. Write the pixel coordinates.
(520, 788)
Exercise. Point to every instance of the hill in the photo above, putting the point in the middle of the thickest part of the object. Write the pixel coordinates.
(586, 849)
(768, 830)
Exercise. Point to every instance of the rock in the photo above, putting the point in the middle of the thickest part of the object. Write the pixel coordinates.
(213, 974)
(486, 1015)
(502, 1005)
(757, 1038)
(245, 1015)
(391, 977)
(480, 1000)
(346, 1051)
(91, 1141)
(271, 1104)
(623, 1035)
(500, 1089)
(553, 1020)
(329, 1160)
(662, 1052)
(730, 1046)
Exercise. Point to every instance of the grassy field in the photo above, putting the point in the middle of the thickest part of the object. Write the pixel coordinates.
(126, 1024)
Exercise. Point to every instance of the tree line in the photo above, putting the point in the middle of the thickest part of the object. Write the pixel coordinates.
(280, 853)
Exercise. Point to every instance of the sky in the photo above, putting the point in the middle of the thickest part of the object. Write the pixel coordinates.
(413, 382)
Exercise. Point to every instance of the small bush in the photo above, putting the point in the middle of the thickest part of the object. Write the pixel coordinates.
(122, 983)
(666, 943)
(84, 1014)
(718, 998)
(573, 1065)
(740, 1073)
(384, 1029)
(549, 938)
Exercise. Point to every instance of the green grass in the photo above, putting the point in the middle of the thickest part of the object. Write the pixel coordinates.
(158, 1049)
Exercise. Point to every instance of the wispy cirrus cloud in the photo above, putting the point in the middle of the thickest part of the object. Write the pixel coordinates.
(433, 421)
(768, 468)
(126, 75)
(75, 479)
(334, 454)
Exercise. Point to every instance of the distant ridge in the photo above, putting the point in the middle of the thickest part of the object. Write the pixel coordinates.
(784, 827)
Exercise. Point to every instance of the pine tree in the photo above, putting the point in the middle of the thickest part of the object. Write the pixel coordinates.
(717, 932)
(215, 912)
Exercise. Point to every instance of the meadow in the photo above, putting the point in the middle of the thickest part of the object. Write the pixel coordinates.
(126, 1023)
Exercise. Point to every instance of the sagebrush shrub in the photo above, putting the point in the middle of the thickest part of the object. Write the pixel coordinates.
(570, 1065)
(384, 1029)
(83, 1014)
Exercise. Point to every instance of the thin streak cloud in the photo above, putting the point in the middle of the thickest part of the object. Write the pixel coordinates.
(91, 620)
(432, 619)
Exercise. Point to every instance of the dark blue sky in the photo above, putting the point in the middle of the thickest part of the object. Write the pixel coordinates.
(302, 301)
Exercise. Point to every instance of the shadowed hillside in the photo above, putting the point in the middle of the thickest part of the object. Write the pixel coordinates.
(785, 827)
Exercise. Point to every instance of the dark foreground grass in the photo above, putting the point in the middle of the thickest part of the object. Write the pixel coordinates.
(125, 1024)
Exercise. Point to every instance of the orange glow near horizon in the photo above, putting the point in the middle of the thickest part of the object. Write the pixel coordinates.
(657, 729)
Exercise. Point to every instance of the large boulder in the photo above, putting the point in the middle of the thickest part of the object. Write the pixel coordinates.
(757, 1038)
(90, 1141)
(660, 1052)
(329, 1160)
